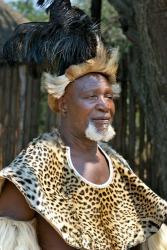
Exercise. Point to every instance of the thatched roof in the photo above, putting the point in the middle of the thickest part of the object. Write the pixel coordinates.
(9, 19)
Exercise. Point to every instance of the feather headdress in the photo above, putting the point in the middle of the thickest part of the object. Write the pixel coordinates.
(67, 47)
(69, 37)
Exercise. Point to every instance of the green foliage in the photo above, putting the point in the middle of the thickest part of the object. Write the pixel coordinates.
(28, 10)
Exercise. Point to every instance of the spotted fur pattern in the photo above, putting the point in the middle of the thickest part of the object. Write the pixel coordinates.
(118, 216)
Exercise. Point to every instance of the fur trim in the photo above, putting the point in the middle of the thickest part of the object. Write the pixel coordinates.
(17, 235)
(54, 85)
(53, 103)
(105, 62)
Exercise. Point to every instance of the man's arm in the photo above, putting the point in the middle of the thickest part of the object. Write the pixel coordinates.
(13, 204)
(48, 238)
(16, 227)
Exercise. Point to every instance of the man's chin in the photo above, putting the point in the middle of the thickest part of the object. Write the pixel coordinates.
(100, 133)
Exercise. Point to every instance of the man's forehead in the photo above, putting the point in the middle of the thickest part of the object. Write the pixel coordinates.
(91, 81)
(86, 83)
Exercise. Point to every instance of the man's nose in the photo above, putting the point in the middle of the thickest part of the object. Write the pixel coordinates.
(102, 104)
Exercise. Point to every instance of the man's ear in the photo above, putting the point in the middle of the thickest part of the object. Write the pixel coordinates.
(62, 104)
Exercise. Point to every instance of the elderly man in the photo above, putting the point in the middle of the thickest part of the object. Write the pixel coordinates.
(66, 190)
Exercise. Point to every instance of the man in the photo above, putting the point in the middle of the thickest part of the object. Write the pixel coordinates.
(90, 97)
(80, 194)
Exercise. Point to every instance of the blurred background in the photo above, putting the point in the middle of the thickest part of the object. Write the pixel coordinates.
(139, 29)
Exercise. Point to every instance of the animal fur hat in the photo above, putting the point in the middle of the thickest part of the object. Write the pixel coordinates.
(66, 47)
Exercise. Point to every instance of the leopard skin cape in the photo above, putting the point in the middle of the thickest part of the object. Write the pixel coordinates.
(119, 214)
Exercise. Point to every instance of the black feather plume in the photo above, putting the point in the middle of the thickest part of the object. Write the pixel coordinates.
(70, 37)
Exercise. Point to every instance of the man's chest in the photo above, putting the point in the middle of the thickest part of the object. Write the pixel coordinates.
(95, 172)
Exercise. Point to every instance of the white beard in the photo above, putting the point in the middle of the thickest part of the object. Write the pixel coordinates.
(94, 135)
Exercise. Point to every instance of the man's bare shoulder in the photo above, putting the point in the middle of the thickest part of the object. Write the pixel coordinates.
(13, 204)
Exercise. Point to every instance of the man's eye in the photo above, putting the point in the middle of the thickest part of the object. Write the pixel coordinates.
(93, 96)
(110, 96)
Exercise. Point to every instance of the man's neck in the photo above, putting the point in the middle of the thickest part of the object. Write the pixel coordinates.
(86, 157)
(78, 143)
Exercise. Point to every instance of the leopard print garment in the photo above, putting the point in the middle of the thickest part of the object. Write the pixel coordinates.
(115, 216)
